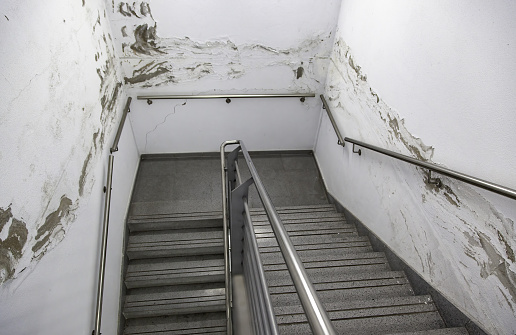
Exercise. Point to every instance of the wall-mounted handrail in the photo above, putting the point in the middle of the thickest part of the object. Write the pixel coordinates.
(333, 122)
(499, 189)
(487, 185)
(227, 96)
(107, 206)
(114, 147)
(102, 267)
(317, 316)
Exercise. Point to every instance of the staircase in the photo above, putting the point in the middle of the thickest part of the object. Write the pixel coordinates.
(175, 265)
(356, 285)
(175, 274)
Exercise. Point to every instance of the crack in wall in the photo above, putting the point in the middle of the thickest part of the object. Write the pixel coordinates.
(162, 122)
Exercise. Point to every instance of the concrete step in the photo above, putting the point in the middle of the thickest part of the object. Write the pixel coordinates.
(153, 244)
(296, 216)
(374, 325)
(174, 300)
(359, 245)
(175, 221)
(443, 331)
(341, 292)
(297, 209)
(347, 310)
(314, 239)
(204, 323)
(346, 265)
(325, 255)
(174, 271)
(282, 278)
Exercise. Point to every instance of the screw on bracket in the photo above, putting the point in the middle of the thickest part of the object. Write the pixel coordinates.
(302, 99)
(228, 100)
(149, 102)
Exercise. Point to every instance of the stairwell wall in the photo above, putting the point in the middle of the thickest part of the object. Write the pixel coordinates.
(213, 47)
(62, 93)
(434, 81)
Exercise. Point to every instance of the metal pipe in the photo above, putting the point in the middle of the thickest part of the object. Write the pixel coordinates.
(333, 122)
(100, 288)
(229, 321)
(499, 189)
(226, 96)
(114, 147)
(315, 313)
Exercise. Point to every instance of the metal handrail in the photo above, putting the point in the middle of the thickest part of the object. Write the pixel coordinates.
(227, 96)
(107, 206)
(499, 189)
(333, 122)
(317, 316)
(487, 185)
(102, 270)
(227, 274)
(114, 147)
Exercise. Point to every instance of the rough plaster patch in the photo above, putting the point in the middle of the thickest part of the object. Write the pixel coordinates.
(11, 247)
(151, 61)
(53, 224)
(93, 114)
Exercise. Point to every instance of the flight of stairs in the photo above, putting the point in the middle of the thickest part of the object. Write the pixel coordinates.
(175, 274)
(356, 285)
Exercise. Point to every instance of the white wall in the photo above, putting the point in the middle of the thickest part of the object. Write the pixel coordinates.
(61, 84)
(433, 80)
(207, 47)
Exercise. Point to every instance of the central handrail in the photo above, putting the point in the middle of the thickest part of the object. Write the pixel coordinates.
(317, 316)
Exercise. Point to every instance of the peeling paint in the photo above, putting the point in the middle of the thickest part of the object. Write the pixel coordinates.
(11, 247)
(82, 178)
(299, 72)
(145, 40)
(53, 223)
(471, 242)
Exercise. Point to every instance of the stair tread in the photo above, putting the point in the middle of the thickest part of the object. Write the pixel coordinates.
(375, 324)
(354, 305)
(442, 331)
(205, 323)
(173, 302)
(183, 270)
(295, 314)
(274, 258)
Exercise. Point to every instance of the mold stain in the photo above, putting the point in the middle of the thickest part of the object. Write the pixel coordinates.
(11, 248)
(53, 224)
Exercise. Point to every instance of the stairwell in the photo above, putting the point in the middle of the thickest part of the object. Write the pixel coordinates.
(175, 267)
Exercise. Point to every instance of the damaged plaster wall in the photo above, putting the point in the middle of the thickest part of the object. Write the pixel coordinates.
(61, 84)
(441, 91)
(206, 47)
